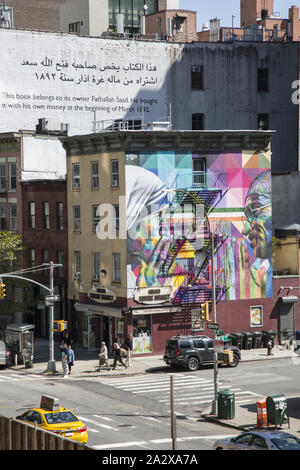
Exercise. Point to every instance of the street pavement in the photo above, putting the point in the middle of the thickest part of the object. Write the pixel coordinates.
(86, 365)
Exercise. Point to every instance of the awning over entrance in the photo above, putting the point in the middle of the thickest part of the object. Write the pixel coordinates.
(98, 310)
(291, 299)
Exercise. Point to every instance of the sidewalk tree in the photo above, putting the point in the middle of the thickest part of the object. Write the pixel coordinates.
(11, 257)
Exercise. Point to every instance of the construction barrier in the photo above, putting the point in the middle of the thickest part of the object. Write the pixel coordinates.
(15, 435)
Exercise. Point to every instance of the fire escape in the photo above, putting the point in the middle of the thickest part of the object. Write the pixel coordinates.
(206, 190)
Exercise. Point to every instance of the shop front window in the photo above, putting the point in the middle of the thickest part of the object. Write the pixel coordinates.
(142, 334)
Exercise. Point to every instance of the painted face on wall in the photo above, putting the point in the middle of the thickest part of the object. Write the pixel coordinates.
(258, 212)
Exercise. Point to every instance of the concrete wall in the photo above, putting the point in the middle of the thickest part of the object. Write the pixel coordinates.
(230, 99)
(92, 13)
(286, 197)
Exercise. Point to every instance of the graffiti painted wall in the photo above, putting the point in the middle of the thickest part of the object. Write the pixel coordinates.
(168, 236)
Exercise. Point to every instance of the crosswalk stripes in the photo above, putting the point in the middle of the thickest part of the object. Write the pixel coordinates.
(188, 389)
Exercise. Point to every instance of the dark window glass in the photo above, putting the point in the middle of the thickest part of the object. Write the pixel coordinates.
(198, 122)
(263, 80)
(199, 344)
(262, 122)
(184, 344)
(197, 81)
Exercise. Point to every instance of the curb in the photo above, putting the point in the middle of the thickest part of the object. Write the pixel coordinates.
(216, 420)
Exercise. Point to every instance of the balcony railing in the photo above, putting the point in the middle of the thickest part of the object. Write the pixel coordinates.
(193, 180)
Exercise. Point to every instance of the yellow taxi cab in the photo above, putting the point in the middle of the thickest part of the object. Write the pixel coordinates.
(52, 417)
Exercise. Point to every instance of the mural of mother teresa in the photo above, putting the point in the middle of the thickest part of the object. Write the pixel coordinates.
(151, 236)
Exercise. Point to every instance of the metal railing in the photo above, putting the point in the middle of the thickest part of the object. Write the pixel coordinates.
(15, 435)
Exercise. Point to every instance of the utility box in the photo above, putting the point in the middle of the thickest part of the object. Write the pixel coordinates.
(277, 410)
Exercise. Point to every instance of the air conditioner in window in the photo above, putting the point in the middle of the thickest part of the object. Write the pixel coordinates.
(77, 276)
(96, 277)
(76, 185)
(115, 183)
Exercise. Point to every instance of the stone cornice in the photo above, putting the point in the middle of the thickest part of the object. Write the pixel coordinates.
(196, 141)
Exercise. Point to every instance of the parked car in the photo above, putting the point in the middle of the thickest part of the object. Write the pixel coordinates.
(191, 352)
(260, 440)
(52, 417)
(5, 355)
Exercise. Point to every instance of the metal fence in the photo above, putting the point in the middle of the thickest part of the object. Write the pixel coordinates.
(15, 435)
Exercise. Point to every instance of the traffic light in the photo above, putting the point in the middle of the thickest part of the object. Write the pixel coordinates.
(2, 290)
(204, 311)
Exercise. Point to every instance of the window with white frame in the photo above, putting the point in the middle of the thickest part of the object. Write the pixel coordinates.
(76, 219)
(60, 260)
(31, 208)
(2, 177)
(76, 175)
(115, 172)
(116, 218)
(3, 216)
(116, 271)
(95, 175)
(95, 218)
(45, 256)
(32, 256)
(96, 266)
(13, 217)
(77, 265)
(12, 176)
(60, 215)
(46, 215)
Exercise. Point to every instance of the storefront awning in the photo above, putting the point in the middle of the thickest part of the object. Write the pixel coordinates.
(291, 299)
(98, 310)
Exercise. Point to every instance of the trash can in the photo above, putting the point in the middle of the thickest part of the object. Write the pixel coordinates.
(257, 340)
(247, 340)
(237, 339)
(277, 410)
(268, 335)
(226, 404)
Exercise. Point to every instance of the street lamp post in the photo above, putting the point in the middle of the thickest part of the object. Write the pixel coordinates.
(51, 362)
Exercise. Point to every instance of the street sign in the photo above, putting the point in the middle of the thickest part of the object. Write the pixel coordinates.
(212, 326)
(50, 299)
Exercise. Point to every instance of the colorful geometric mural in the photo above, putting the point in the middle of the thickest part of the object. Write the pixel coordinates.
(167, 244)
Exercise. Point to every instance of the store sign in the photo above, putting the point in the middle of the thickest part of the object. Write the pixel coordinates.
(153, 296)
(102, 295)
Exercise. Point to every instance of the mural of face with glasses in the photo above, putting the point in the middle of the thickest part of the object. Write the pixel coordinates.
(258, 212)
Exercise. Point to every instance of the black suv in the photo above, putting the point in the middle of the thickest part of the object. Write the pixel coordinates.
(193, 351)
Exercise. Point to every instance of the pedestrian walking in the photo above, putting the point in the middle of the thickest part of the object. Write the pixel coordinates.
(117, 354)
(129, 348)
(71, 357)
(103, 356)
(64, 359)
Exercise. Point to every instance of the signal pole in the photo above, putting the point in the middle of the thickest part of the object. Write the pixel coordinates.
(51, 363)
(214, 403)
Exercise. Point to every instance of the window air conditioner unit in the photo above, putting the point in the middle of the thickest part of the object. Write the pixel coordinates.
(77, 276)
(76, 185)
(96, 277)
(115, 183)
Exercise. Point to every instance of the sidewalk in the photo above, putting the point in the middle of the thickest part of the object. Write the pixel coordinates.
(86, 365)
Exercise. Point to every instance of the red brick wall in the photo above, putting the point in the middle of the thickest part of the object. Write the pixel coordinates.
(36, 14)
(53, 240)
